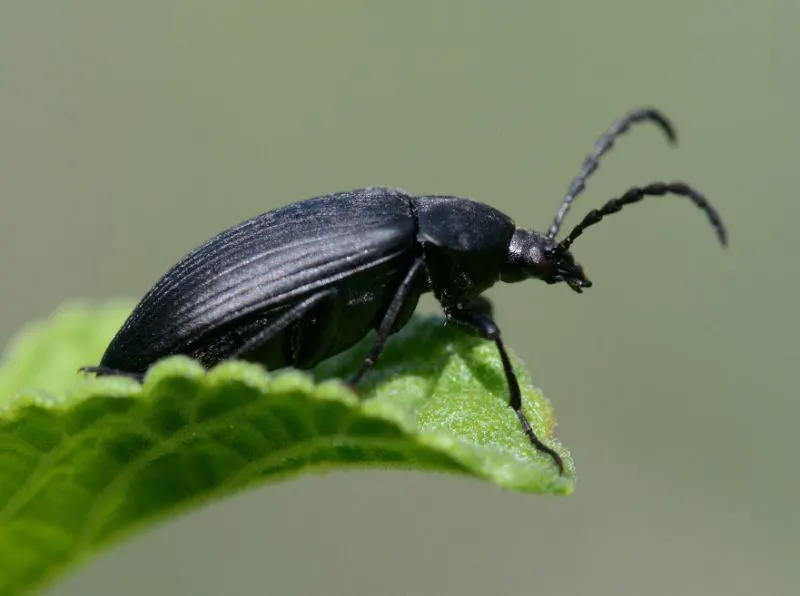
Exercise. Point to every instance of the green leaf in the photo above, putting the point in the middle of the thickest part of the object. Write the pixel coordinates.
(84, 461)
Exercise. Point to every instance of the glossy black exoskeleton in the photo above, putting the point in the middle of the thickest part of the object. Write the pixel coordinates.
(302, 283)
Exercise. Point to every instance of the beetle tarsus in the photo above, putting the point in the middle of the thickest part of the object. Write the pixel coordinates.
(528, 430)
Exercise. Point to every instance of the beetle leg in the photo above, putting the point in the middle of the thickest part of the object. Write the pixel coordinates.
(388, 321)
(481, 304)
(481, 325)
(293, 315)
(106, 371)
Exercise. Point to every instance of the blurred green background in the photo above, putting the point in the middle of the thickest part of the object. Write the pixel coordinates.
(130, 132)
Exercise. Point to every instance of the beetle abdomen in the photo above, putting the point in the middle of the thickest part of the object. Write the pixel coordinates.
(259, 267)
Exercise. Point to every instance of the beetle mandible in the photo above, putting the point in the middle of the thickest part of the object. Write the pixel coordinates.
(299, 284)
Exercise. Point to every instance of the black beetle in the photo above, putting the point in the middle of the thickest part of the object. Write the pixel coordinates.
(300, 284)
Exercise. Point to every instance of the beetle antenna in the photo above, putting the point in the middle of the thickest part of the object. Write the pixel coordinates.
(635, 195)
(603, 144)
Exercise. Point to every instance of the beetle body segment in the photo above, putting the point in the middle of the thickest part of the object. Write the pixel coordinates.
(464, 245)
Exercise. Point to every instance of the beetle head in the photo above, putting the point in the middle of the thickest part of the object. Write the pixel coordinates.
(534, 255)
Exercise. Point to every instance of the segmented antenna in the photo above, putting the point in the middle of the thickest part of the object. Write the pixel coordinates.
(603, 144)
(635, 195)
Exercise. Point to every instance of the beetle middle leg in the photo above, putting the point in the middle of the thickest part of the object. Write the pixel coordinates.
(291, 316)
(101, 371)
(476, 322)
(388, 321)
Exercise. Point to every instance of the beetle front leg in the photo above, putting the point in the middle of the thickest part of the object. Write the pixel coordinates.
(482, 305)
(477, 323)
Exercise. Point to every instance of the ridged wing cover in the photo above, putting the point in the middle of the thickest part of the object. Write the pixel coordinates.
(263, 263)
